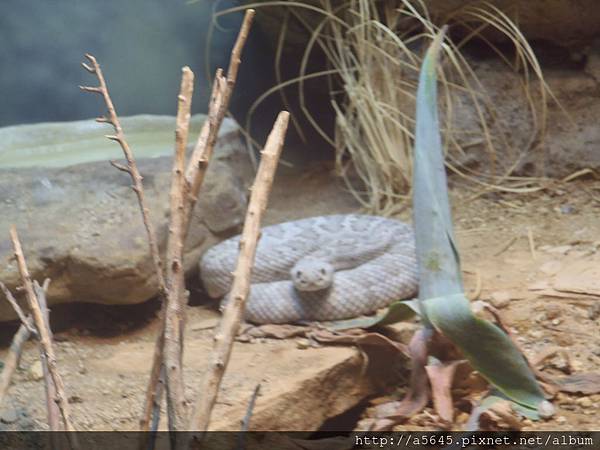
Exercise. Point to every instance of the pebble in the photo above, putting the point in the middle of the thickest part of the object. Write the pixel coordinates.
(567, 209)
(536, 334)
(35, 371)
(584, 402)
(556, 322)
(302, 344)
(553, 312)
(594, 311)
(561, 420)
(500, 299)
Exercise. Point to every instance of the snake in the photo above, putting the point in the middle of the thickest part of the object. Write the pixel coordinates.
(323, 268)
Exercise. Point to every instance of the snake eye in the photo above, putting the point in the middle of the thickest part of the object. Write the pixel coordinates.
(323, 272)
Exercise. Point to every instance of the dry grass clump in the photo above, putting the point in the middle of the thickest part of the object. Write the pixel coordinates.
(374, 51)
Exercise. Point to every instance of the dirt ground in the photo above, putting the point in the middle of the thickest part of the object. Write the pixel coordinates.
(528, 252)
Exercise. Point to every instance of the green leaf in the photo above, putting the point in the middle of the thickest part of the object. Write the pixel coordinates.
(441, 294)
(396, 312)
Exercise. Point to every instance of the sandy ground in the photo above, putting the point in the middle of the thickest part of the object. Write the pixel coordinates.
(521, 247)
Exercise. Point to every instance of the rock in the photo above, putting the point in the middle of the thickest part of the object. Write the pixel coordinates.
(562, 23)
(35, 371)
(581, 277)
(546, 409)
(9, 415)
(500, 299)
(584, 402)
(80, 225)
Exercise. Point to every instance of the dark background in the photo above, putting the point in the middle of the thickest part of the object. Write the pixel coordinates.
(140, 44)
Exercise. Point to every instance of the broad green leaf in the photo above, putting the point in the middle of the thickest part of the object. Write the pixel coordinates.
(396, 312)
(441, 294)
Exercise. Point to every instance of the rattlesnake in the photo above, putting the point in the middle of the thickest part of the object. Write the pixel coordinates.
(321, 268)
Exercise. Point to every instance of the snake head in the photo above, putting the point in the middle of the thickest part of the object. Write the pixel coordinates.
(311, 274)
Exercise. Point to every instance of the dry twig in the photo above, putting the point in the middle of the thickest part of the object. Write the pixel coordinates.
(132, 169)
(173, 332)
(194, 177)
(51, 406)
(20, 314)
(186, 188)
(44, 335)
(153, 393)
(14, 355)
(232, 316)
(219, 104)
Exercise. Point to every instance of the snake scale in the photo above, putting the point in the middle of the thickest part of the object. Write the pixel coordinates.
(321, 268)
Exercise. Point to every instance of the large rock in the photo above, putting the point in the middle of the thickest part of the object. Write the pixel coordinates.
(565, 23)
(81, 226)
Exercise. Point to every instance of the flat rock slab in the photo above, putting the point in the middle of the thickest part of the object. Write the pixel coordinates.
(106, 379)
(81, 226)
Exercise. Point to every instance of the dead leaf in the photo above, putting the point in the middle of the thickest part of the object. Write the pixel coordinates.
(493, 416)
(273, 331)
(441, 377)
(501, 415)
(418, 395)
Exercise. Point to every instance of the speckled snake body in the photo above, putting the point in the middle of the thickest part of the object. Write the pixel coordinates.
(362, 262)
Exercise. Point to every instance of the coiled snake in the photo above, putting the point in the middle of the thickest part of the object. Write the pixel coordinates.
(321, 268)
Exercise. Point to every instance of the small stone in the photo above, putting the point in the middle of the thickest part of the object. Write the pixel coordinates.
(500, 299)
(35, 372)
(556, 322)
(567, 209)
(594, 311)
(75, 399)
(584, 402)
(9, 415)
(553, 312)
(561, 420)
(302, 344)
(536, 334)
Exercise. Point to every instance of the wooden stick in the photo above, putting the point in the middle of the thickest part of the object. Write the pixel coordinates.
(113, 119)
(51, 406)
(219, 104)
(11, 362)
(173, 340)
(232, 316)
(44, 334)
(153, 396)
(20, 314)
(195, 173)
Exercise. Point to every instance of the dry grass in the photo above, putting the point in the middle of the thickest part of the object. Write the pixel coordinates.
(374, 52)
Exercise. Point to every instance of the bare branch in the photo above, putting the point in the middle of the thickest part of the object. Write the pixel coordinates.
(11, 361)
(219, 104)
(51, 406)
(132, 170)
(232, 316)
(194, 178)
(176, 293)
(44, 333)
(24, 319)
(152, 397)
(120, 167)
